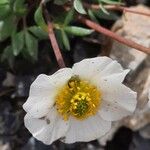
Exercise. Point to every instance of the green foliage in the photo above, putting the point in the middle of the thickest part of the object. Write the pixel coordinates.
(60, 2)
(38, 17)
(4, 9)
(69, 17)
(92, 16)
(8, 55)
(23, 24)
(79, 7)
(114, 2)
(102, 15)
(77, 31)
(17, 42)
(38, 32)
(65, 40)
(31, 44)
(6, 27)
(19, 7)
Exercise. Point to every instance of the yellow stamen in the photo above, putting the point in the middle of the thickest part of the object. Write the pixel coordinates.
(78, 98)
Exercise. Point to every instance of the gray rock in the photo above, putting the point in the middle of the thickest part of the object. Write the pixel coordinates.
(135, 29)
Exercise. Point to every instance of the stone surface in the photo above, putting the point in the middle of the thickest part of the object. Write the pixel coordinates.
(145, 131)
(5, 146)
(136, 28)
(139, 143)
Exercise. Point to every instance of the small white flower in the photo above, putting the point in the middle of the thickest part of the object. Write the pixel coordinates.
(78, 103)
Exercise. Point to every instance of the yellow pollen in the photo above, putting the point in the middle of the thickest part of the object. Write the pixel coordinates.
(78, 98)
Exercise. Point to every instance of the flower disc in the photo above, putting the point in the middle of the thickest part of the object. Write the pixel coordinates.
(78, 98)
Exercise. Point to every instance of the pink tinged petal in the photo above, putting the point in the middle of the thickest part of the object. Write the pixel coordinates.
(47, 129)
(86, 130)
(118, 101)
(45, 88)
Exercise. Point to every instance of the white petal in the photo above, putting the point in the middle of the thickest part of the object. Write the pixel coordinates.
(87, 130)
(116, 77)
(89, 67)
(40, 109)
(113, 72)
(47, 129)
(45, 88)
(117, 101)
(40, 90)
(61, 76)
(111, 68)
(98, 67)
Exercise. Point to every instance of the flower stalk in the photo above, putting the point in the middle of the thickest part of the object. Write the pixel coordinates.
(116, 7)
(53, 41)
(111, 34)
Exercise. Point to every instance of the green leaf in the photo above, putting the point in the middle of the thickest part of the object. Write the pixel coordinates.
(103, 9)
(8, 55)
(100, 14)
(7, 26)
(78, 31)
(111, 2)
(59, 38)
(65, 40)
(38, 17)
(4, 10)
(79, 7)
(31, 45)
(2, 2)
(60, 2)
(38, 32)
(92, 16)
(19, 7)
(17, 42)
(69, 17)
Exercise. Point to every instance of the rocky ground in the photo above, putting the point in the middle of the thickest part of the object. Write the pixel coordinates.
(131, 133)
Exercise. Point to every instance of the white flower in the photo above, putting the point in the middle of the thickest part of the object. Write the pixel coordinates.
(78, 103)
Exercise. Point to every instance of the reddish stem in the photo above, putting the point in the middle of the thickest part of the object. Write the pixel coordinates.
(125, 9)
(116, 7)
(54, 43)
(114, 36)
